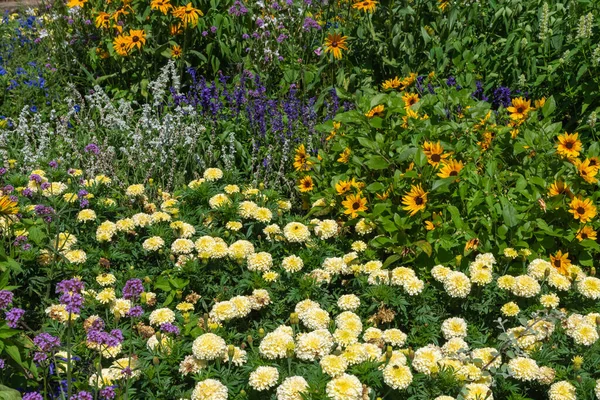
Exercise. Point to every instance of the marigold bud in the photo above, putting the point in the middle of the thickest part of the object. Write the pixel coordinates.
(261, 332)
(230, 351)
(155, 361)
(294, 318)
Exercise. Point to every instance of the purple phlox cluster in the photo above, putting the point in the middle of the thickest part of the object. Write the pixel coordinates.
(46, 341)
(27, 192)
(281, 38)
(108, 393)
(83, 395)
(238, 9)
(39, 356)
(92, 148)
(169, 328)
(2, 364)
(83, 201)
(6, 298)
(135, 312)
(501, 97)
(32, 396)
(310, 23)
(3, 171)
(36, 178)
(53, 164)
(479, 93)
(102, 338)
(133, 289)
(45, 185)
(13, 316)
(71, 294)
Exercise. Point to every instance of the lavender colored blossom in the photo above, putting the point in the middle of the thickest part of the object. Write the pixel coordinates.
(213, 29)
(238, 9)
(71, 294)
(27, 192)
(281, 38)
(6, 298)
(451, 81)
(133, 289)
(245, 36)
(101, 338)
(479, 93)
(32, 396)
(501, 97)
(2, 364)
(46, 341)
(310, 23)
(169, 328)
(13, 316)
(39, 356)
(83, 395)
(135, 312)
(36, 178)
(53, 164)
(92, 148)
(45, 185)
(82, 193)
(108, 393)
(83, 203)
(8, 189)
(3, 171)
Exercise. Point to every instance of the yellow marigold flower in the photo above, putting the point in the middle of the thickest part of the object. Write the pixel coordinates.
(335, 43)
(354, 204)
(415, 200)
(568, 145)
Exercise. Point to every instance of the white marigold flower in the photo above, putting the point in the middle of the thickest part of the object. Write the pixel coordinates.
(76, 256)
(326, 229)
(162, 316)
(210, 389)
(397, 376)
(394, 337)
(135, 190)
(295, 232)
(333, 365)
(262, 261)
(153, 243)
(263, 378)
(344, 387)
(426, 359)
(182, 246)
(212, 174)
(562, 390)
(348, 302)
(209, 347)
(457, 285)
(219, 200)
(523, 369)
(292, 388)
(292, 264)
(525, 286)
(589, 287)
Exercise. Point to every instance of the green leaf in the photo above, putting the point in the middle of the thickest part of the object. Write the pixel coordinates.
(509, 213)
(425, 246)
(456, 219)
(377, 162)
(549, 106)
(7, 393)
(13, 352)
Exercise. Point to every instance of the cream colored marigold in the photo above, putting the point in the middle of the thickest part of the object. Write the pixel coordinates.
(210, 389)
(209, 347)
(510, 309)
(161, 316)
(142, 219)
(259, 299)
(457, 285)
(558, 281)
(106, 279)
(223, 311)
(262, 261)
(292, 388)
(219, 200)
(335, 265)
(525, 286)
(455, 346)
(597, 389)
(242, 304)
(153, 243)
(182, 246)
(394, 337)
(550, 300)
(584, 334)
(488, 355)
(263, 378)
(86, 215)
(397, 376)
(164, 346)
(350, 321)
(70, 197)
(160, 216)
(477, 391)
(295, 232)
(292, 263)
(364, 227)
(359, 246)
(120, 307)
(184, 306)
(55, 189)
(546, 375)
(413, 286)
(589, 287)
(344, 387)
(440, 273)
(313, 345)
(562, 390)
(537, 268)
(191, 365)
(506, 282)
(326, 229)
(212, 174)
(125, 225)
(135, 190)
(523, 369)
(233, 226)
(76, 256)
(454, 327)
(263, 214)
(238, 358)
(348, 302)
(196, 183)
(426, 359)
(241, 249)
(276, 344)
(315, 318)
(480, 274)
(402, 274)
(333, 365)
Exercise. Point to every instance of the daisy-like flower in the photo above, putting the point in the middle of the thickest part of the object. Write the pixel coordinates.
(161, 5)
(306, 184)
(568, 145)
(376, 111)
(450, 168)
(434, 153)
(558, 188)
(586, 233)
(583, 210)
(136, 38)
(354, 204)
(415, 200)
(519, 108)
(335, 43)
(188, 15)
(365, 5)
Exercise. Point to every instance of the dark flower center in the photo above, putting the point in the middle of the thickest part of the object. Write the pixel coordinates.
(519, 110)
(436, 158)
(584, 235)
(135, 39)
(355, 205)
(569, 145)
(453, 173)
(580, 210)
(418, 200)
(334, 44)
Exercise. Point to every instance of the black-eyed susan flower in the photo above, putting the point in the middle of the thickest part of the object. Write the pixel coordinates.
(376, 111)
(176, 51)
(561, 262)
(587, 172)
(415, 200)
(103, 20)
(76, 3)
(558, 188)
(354, 204)
(450, 168)
(8, 206)
(583, 210)
(161, 5)
(342, 187)
(121, 45)
(539, 103)
(587, 232)
(335, 43)
(393, 83)
(306, 184)
(434, 153)
(188, 15)
(519, 108)
(136, 38)
(345, 156)
(568, 145)
(365, 5)
(301, 162)
(472, 244)
(410, 99)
